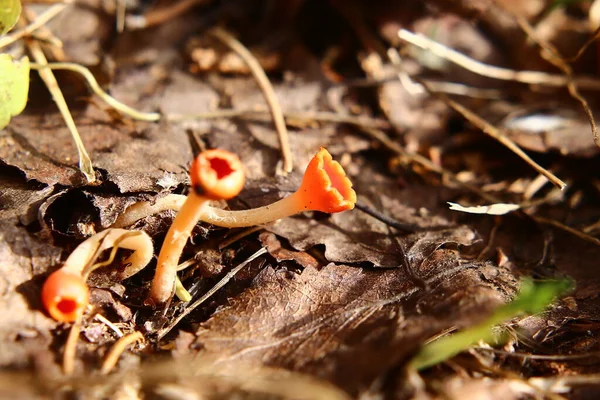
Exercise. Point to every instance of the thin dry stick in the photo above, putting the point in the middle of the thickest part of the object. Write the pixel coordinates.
(316, 116)
(485, 126)
(491, 71)
(112, 326)
(212, 291)
(85, 163)
(118, 348)
(263, 82)
(418, 159)
(566, 228)
(551, 54)
(497, 134)
(40, 21)
(44, 36)
(71, 347)
(120, 14)
(585, 46)
(160, 15)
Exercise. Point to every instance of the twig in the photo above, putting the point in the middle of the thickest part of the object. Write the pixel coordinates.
(378, 215)
(592, 39)
(489, 129)
(212, 291)
(242, 234)
(40, 21)
(70, 351)
(257, 115)
(267, 89)
(491, 71)
(93, 84)
(550, 53)
(593, 227)
(120, 14)
(573, 231)
(85, 163)
(118, 348)
(112, 326)
(499, 135)
(428, 164)
(160, 15)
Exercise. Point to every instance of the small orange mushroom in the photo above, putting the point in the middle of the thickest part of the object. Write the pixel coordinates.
(325, 187)
(65, 294)
(215, 175)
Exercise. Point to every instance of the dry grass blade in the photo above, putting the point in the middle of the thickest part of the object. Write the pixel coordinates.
(118, 348)
(93, 84)
(491, 71)
(36, 24)
(85, 163)
(265, 85)
(551, 54)
(160, 15)
(573, 231)
(70, 351)
(212, 291)
(291, 118)
(497, 134)
(486, 127)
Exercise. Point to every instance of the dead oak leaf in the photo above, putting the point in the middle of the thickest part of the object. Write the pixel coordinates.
(24, 332)
(134, 158)
(345, 324)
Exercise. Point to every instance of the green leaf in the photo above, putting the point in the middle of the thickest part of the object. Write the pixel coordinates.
(14, 87)
(532, 298)
(10, 11)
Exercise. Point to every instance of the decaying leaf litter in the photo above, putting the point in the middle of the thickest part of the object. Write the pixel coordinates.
(341, 304)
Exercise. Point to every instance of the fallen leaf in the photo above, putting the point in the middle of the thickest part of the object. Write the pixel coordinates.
(11, 11)
(346, 324)
(492, 209)
(14, 82)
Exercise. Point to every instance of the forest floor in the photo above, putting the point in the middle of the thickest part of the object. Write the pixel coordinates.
(423, 103)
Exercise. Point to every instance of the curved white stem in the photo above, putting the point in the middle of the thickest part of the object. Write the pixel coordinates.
(138, 241)
(216, 216)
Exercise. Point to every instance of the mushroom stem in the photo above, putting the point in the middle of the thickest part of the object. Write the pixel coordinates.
(177, 236)
(214, 175)
(138, 241)
(65, 294)
(324, 188)
(256, 216)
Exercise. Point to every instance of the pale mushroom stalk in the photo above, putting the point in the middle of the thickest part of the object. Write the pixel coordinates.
(173, 245)
(325, 188)
(215, 175)
(65, 294)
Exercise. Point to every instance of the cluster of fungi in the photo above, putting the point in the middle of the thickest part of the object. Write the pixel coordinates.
(214, 175)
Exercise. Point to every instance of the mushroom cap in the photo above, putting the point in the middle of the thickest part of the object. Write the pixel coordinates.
(65, 295)
(217, 174)
(325, 186)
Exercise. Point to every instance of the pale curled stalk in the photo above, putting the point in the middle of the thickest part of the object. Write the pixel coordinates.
(79, 260)
(95, 87)
(213, 215)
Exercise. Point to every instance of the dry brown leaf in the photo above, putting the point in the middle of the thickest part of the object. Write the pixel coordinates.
(347, 324)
